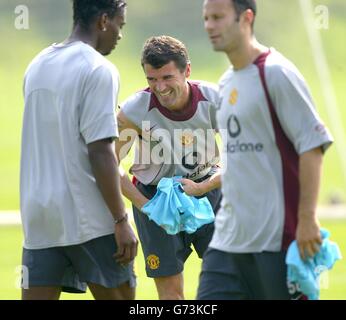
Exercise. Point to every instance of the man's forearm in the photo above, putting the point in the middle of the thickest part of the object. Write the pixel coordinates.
(105, 169)
(213, 182)
(131, 192)
(308, 234)
(310, 165)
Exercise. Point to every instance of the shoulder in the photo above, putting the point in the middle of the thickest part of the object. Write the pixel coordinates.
(279, 69)
(95, 64)
(205, 91)
(137, 100)
(136, 106)
(38, 58)
(225, 78)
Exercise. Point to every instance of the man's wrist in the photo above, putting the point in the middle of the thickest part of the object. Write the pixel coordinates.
(204, 186)
(142, 203)
(121, 219)
(306, 214)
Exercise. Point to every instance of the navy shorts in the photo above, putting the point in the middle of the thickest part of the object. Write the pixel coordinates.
(165, 254)
(72, 267)
(245, 276)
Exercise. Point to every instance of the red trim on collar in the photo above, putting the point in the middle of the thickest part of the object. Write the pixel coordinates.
(262, 58)
(184, 115)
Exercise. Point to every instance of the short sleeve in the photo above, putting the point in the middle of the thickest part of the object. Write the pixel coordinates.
(210, 92)
(97, 109)
(296, 111)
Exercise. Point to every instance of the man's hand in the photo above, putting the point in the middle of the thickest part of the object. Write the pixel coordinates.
(192, 188)
(126, 241)
(308, 236)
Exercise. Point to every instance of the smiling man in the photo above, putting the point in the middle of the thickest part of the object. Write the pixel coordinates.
(175, 121)
(73, 214)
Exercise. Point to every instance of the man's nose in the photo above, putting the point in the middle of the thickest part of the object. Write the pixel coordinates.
(208, 25)
(161, 86)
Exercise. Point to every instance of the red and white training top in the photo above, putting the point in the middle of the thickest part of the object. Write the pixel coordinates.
(267, 119)
(174, 143)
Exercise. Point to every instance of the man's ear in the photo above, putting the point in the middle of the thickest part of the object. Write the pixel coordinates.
(188, 70)
(102, 22)
(248, 16)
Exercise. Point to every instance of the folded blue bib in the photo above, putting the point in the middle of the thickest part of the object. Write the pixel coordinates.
(306, 273)
(172, 209)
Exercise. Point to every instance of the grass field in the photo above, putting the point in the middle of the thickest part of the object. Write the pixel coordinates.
(11, 258)
(50, 21)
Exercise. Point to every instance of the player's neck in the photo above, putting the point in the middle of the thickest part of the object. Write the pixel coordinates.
(246, 53)
(78, 34)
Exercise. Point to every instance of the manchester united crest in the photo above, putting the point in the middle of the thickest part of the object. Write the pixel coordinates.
(187, 139)
(153, 262)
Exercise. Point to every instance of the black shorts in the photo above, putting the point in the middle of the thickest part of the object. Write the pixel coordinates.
(165, 254)
(245, 276)
(72, 267)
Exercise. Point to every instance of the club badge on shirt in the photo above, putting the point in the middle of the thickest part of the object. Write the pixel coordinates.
(187, 139)
(233, 98)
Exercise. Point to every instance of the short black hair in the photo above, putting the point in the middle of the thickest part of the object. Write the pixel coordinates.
(160, 50)
(86, 11)
(242, 5)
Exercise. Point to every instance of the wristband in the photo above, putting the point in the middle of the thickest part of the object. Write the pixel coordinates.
(124, 218)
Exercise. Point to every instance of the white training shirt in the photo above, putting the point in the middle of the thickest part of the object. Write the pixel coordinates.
(174, 143)
(70, 94)
(262, 143)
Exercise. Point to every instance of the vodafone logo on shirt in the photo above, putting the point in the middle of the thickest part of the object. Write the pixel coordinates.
(234, 131)
(233, 126)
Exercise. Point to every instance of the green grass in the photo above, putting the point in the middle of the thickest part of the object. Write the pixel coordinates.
(286, 35)
(10, 248)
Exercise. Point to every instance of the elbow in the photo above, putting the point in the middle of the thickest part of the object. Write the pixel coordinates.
(98, 160)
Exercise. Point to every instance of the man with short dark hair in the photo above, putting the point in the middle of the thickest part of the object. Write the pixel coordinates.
(73, 215)
(174, 120)
(273, 146)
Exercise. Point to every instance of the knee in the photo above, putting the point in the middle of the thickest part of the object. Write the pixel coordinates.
(170, 287)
